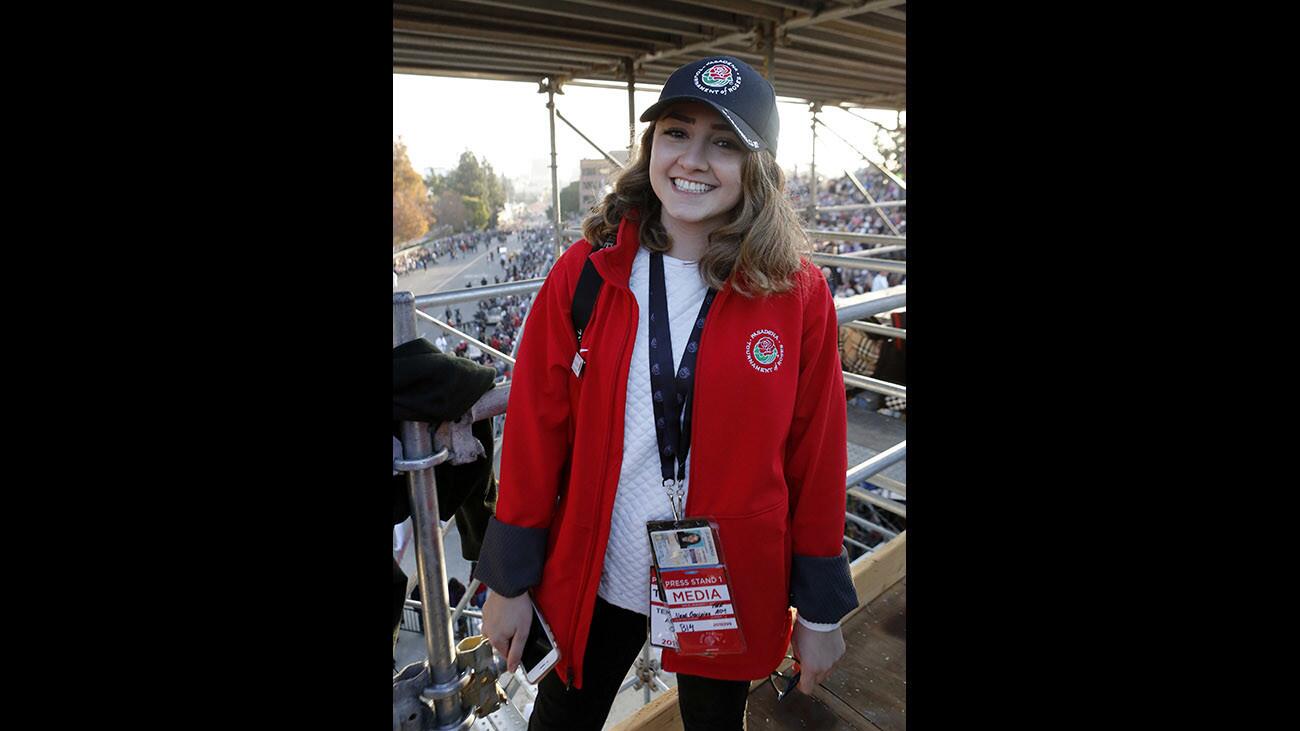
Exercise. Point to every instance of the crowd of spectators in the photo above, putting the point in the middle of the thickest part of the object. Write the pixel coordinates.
(497, 320)
(448, 247)
(840, 191)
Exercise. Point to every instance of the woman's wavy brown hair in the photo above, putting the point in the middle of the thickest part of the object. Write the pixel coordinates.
(759, 247)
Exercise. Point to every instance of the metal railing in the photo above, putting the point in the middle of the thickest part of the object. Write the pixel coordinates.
(870, 468)
(875, 385)
(871, 327)
(861, 206)
(819, 234)
(876, 250)
(848, 309)
(860, 262)
(466, 337)
(473, 294)
(443, 692)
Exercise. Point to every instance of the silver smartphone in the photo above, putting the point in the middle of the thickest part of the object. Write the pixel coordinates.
(540, 652)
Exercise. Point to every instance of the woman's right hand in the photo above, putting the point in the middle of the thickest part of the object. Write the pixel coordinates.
(506, 622)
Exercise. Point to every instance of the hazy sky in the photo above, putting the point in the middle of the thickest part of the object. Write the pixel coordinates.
(507, 123)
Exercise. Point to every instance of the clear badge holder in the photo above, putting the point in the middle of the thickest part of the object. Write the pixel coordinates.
(693, 589)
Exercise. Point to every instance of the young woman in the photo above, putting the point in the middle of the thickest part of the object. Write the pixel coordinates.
(745, 424)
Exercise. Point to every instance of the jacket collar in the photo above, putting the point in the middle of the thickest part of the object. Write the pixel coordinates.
(614, 264)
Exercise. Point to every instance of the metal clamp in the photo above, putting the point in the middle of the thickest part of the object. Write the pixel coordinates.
(646, 672)
(437, 692)
(474, 655)
(458, 438)
(424, 463)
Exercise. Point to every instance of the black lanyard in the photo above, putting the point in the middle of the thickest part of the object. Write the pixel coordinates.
(671, 395)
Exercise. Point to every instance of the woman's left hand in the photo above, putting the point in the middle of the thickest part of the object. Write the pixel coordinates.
(817, 653)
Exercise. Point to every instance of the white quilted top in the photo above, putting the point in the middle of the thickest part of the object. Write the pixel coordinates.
(625, 581)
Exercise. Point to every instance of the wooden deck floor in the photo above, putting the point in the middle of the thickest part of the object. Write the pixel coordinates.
(868, 688)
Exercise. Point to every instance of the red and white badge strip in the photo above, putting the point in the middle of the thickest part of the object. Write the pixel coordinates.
(698, 604)
(661, 629)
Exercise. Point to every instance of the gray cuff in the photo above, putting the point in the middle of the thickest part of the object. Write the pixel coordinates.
(822, 588)
(511, 558)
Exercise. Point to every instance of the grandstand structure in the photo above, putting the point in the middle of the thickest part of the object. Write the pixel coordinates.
(844, 53)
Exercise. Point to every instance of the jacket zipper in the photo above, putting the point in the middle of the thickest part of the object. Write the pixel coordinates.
(591, 544)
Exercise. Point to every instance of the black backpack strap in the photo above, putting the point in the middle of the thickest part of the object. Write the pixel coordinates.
(584, 297)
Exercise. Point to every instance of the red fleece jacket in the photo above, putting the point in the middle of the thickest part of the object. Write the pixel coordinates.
(767, 447)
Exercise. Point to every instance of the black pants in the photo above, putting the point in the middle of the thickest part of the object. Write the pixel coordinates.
(616, 638)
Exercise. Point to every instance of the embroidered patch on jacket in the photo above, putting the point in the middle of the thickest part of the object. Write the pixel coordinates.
(719, 76)
(764, 351)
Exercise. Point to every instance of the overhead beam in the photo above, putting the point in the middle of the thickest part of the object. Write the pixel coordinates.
(802, 59)
(876, 20)
(744, 7)
(437, 59)
(896, 53)
(461, 56)
(811, 38)
(842, 12)
(612, 14)
(435, 42)
(546, 27)
(875, 35)
(789, 25)
(457, 31)
(674, 10)
(415, 69)
(897, 35)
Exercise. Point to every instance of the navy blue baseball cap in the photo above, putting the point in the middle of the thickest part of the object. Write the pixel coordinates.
(740, 94)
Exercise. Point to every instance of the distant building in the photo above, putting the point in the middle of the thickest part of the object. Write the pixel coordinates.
(594, 179)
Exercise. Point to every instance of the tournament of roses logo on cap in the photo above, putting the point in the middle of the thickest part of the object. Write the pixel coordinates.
(718, 77)
(764, 351)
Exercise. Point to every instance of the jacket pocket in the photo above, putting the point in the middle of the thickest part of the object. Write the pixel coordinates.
(757, 558)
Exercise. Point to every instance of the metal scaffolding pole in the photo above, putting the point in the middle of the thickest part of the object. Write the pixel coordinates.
(871, 327)
(892, 506)
(874, 384)
(550, 87)
(878, 463)
(825, 235)
(473, 294)
(863, 190)
(887, 533)
(631, 107)
(812, 168)
(861, 206)
(877, 250)
(897, 181)
(867, 304)
(467, 338)
(849, 111)
(859, 262)
(588, 139)
(443, 693)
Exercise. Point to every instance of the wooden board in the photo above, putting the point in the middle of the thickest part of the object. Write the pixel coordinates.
(871, 679)
(797, 711)
(660, 714)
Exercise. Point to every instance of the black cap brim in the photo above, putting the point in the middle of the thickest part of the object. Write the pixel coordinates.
(747, 135)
